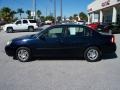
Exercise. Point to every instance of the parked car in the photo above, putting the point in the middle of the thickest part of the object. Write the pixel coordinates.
(62, 40)
(21, 25)
(109, 28)
(81, 22)
(115, 28)
(2, 22)
(93, 25)
(48, 22)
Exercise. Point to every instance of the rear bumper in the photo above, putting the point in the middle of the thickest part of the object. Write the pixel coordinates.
(35, 27)
(110, 48)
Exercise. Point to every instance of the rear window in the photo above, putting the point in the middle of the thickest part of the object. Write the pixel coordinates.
(32, 21)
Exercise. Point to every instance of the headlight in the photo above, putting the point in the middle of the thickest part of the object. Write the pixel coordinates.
(9, 42)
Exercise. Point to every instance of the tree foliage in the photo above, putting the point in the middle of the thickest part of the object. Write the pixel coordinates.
(75, 16)
(59, 18)
(71, 18)
(39, 13)
(20, 11)
(28, 12)
(83, 16)
(7, 14)
(51, 18)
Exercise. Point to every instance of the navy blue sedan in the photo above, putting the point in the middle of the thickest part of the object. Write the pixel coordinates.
(62, 40)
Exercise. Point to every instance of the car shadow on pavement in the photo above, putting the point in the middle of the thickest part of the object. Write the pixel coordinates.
(109, 56)
(104, 57)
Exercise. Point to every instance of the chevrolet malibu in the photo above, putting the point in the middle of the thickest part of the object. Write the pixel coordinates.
(62, 40)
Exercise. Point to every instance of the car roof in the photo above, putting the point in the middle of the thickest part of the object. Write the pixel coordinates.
(68, 25)
(26, 19)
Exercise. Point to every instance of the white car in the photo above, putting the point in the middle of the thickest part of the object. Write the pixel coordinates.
(21, 25)
(81, 22)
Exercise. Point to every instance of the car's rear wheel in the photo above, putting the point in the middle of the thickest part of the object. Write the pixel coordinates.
(92, 54)
(9, 30)
(23, 54)
(30, 29)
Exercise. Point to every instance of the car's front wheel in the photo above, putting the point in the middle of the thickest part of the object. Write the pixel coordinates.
(23, 54)
(92, 54)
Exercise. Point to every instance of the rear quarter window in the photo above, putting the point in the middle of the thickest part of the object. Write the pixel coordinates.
(32, 21)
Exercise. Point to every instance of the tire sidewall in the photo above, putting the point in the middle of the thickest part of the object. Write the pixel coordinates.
(8, 30)
(30, 29)
(23, 48)
(99, 54)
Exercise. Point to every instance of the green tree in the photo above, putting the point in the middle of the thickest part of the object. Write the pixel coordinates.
(83, 16)
(42, 18)
(5, 14)
(71, 18)
(12, 14)
(20, 11)
(75, 17)
(38, 13)
(28, 12)
(59, 18)
(51, 18)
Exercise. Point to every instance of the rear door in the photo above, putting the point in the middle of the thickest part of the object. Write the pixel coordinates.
(76, 39)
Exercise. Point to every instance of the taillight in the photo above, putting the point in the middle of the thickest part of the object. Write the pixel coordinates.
(113, 39)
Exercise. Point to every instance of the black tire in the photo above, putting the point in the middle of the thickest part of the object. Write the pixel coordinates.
(9, 30)
(31, 29)
(92, 54)
(26, 54)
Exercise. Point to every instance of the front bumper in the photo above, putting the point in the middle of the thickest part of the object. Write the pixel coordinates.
(9, 51)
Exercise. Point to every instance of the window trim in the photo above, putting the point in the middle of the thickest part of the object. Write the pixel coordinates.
(46, 31)
(25, 23)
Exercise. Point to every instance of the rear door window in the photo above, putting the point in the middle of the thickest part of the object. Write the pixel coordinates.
(25, 21)
(75, 31)
(78, 31)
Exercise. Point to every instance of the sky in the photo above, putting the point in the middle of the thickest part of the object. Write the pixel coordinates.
(70, 7)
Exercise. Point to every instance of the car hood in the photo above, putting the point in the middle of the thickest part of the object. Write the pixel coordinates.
(26, 37)
(8, 25)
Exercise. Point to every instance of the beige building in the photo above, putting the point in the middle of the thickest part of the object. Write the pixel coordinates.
(104, 11)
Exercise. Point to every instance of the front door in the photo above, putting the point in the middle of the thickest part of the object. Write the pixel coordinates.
(49, 42)
(17, 25)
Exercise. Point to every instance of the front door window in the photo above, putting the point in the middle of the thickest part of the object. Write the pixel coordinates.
(54, 33)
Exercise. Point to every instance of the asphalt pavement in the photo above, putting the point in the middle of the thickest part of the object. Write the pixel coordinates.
(58, 74)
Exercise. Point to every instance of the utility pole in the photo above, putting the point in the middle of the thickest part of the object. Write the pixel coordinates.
(34, 9)
(61, 12)
(55, 11)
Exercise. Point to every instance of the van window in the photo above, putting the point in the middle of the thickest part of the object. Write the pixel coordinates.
(32, 21)
(25, 21)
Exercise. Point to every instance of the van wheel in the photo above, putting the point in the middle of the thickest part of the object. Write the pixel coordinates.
(23, 54)
(30, 29)
(92, 54)
(9, 30)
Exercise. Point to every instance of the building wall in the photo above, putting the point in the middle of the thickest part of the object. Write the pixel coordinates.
(104, 11)
(101, 4)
